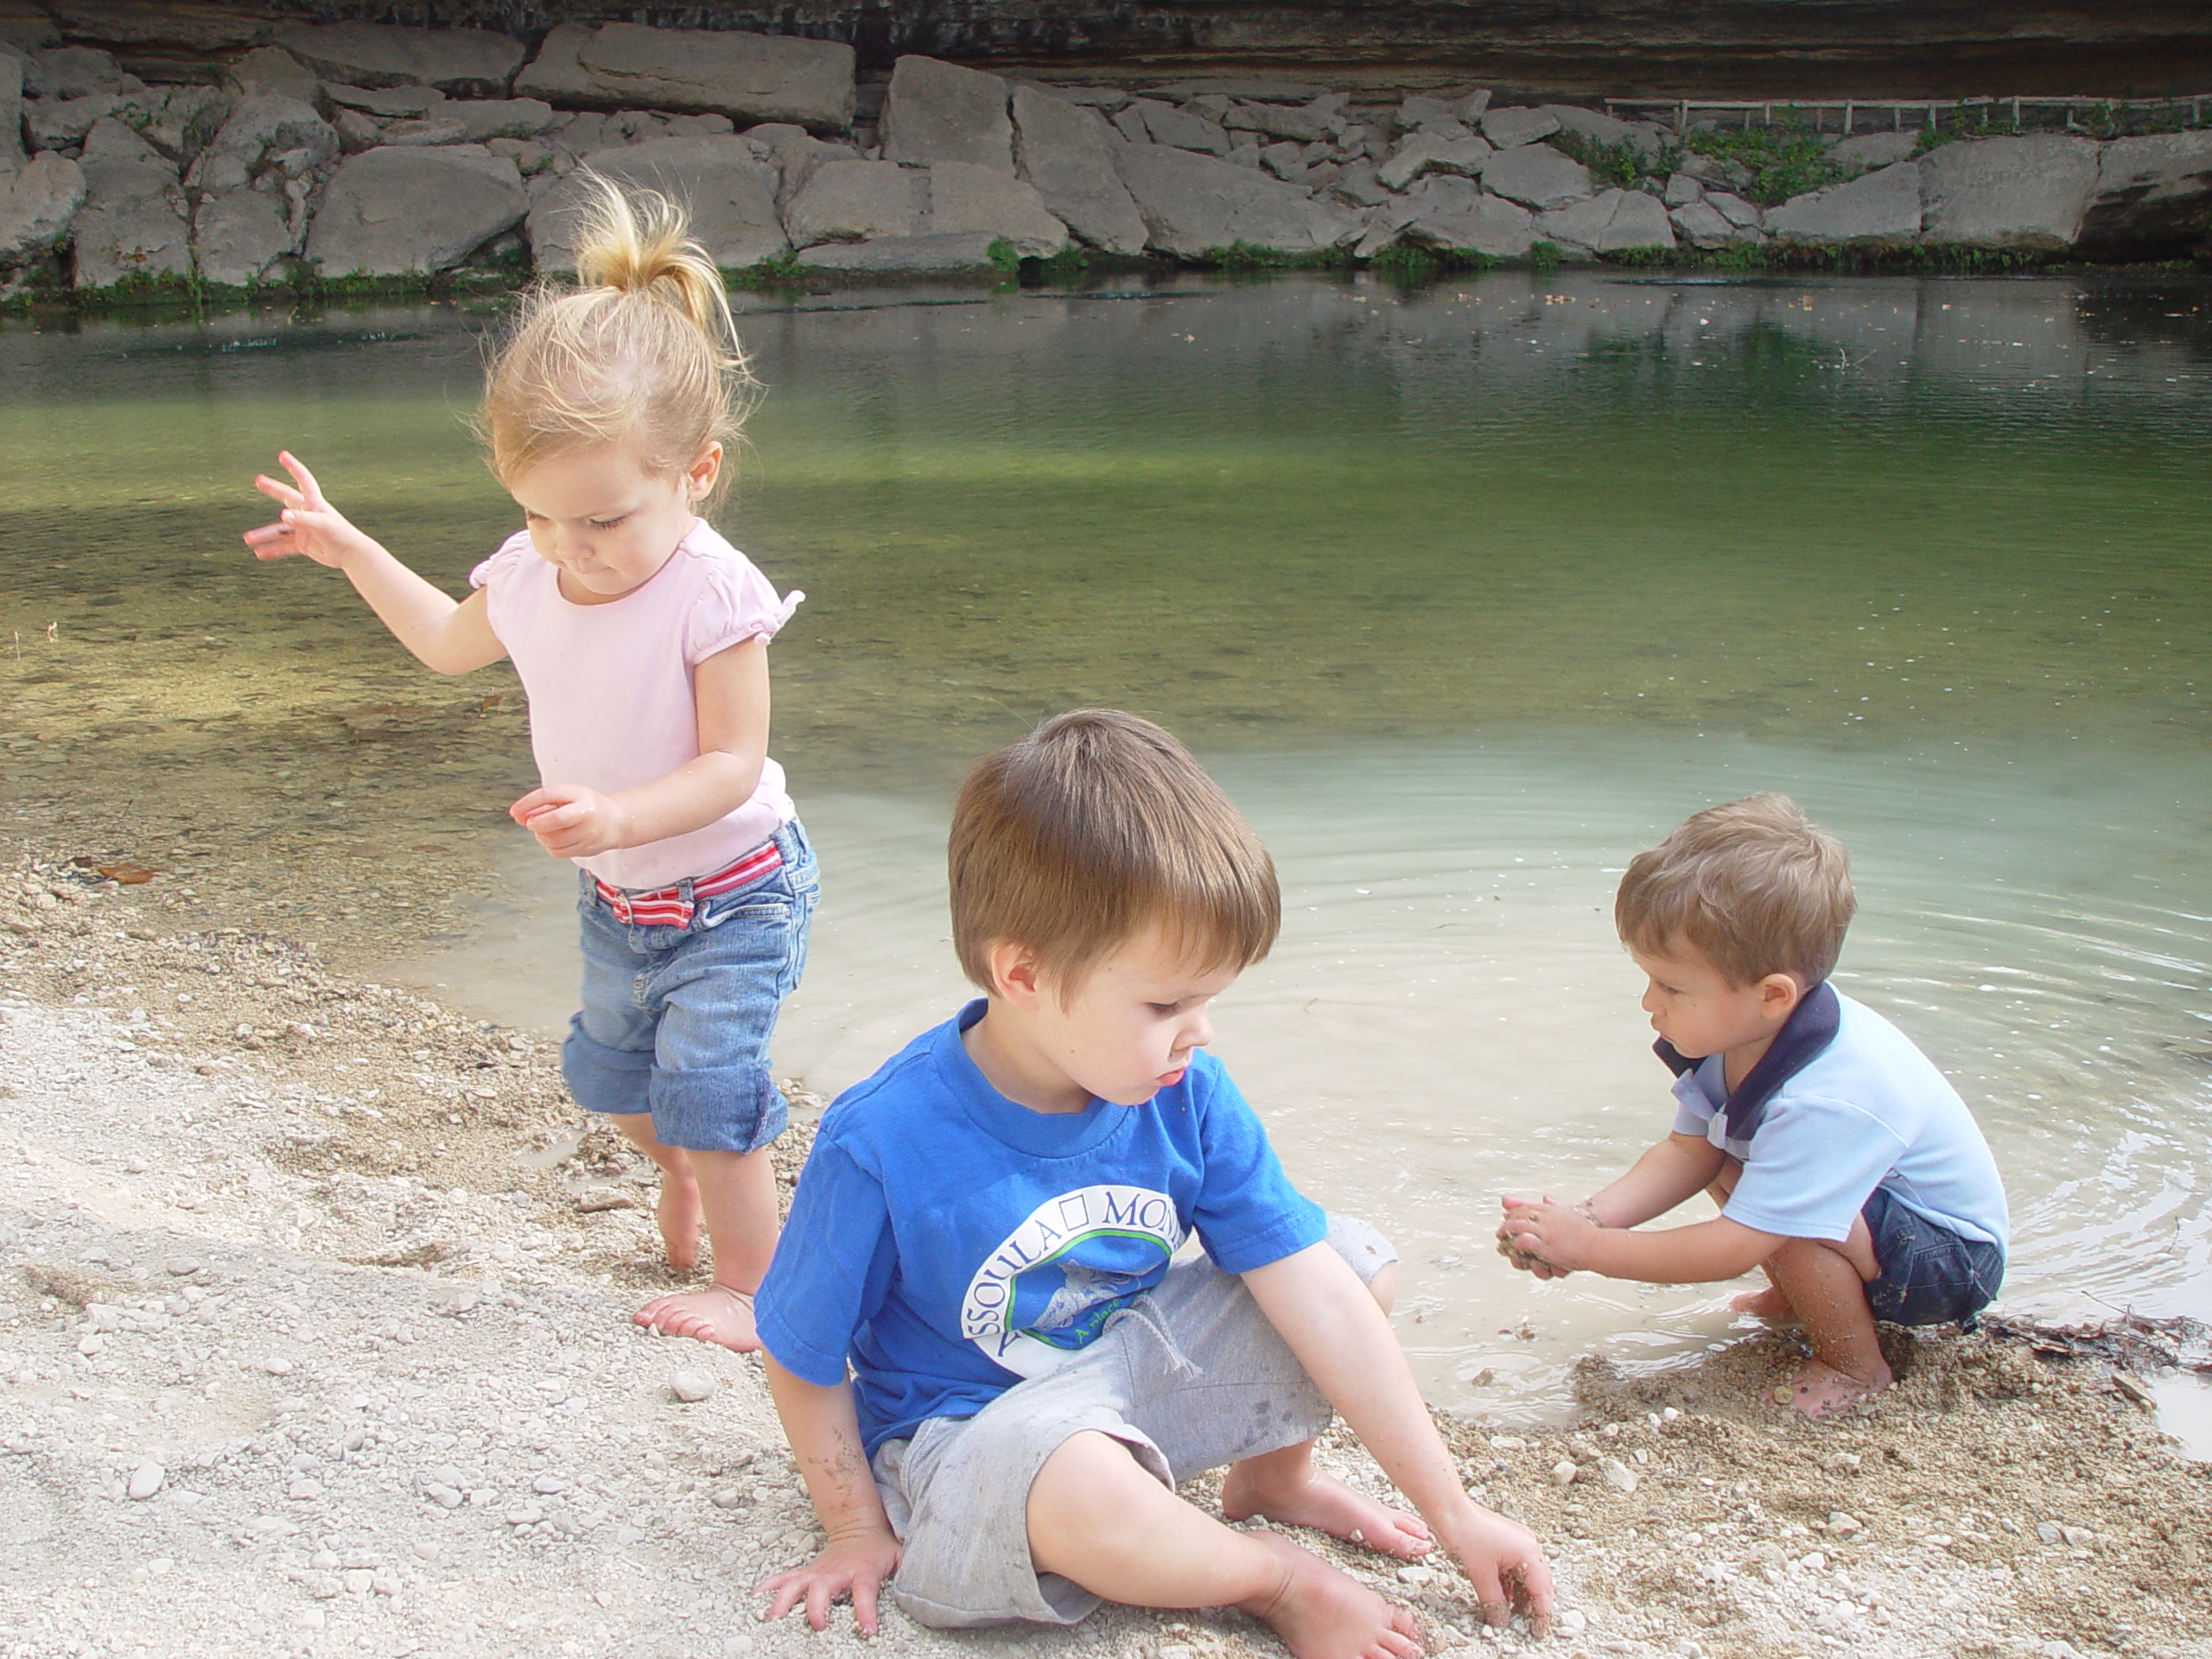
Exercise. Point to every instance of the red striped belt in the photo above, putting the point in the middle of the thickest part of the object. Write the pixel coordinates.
(674, 906)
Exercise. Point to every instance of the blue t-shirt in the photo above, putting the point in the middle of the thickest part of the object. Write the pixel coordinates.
(1869, 1109)
(949, 1242)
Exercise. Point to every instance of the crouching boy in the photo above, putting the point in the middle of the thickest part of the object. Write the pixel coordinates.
(988, 1231)
(1843, 1163)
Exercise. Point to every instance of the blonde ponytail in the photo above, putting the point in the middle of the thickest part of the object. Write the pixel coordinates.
(645, 352)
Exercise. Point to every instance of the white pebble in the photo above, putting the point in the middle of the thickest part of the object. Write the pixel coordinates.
(691, 1386)
(1415, 1574)
(1572, 1621)
(547, 1484)
(1619, 1476)
(1564, 1472)
(146, 1479)
(276, 1365)
(1843, 1524)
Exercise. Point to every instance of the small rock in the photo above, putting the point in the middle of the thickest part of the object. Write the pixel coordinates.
(1564, 1472)
(1815, 1561)
(183, 1266)
(276, 1365)
(425, 1550)
(384, 1584)
(1618, 1475)
(2047, 1532)
(1571, 1621)
(1838, 1463)
(524, 1514)
(303, 1489)
(691, 1386)
(357, 1582)
(2077, 1537)
(549, 1485)
(146, 1479)
(1415, 1574)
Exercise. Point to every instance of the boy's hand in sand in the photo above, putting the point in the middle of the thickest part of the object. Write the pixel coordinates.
(1549, 1238)
(308, 524)
(1504, 1563)
(856, 1567)
(572, 821)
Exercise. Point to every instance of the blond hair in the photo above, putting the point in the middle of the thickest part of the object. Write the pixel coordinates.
(644, 352)
(1098, 825)
(1754, 886)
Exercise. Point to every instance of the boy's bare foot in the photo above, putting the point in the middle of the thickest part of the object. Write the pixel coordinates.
(1321, 1613)
(717, 1313)
(1820, 1390)
(1327, 1506)
(677, 1211)
(1769, 1305)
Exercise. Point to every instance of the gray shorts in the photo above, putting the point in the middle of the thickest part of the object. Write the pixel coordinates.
(1192, 1378)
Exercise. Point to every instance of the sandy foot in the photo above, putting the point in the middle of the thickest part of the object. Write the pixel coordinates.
(1321, 1613)
(677, 1211)
(1329, 1506)
(1820, 1390)
(717, 1314)
(1769, 1305)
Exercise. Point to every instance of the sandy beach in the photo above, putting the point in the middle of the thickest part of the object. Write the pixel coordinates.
(317, 1341)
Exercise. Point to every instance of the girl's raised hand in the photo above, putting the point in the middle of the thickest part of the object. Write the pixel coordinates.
(572, 821)
(308, 524)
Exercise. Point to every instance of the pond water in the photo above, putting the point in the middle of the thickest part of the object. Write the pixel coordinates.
(1467, 594)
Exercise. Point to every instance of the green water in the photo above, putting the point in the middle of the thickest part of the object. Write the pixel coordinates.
(1467, 593)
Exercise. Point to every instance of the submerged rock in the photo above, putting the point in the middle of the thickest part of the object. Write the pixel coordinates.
(392, 212)
(1063, 149)
(936, 111)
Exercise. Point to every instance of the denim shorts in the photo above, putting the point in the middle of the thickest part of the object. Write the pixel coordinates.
(1192, 1376)
(1930, 1276)
(676, 1021)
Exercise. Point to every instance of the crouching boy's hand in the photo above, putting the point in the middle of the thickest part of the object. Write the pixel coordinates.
(1550, 1239)
(1504, 1562)
(854, 1567)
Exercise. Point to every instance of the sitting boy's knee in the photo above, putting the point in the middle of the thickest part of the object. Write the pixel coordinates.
(1383, 1286)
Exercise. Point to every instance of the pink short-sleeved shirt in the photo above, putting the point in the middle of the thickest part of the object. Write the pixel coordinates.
(610, 702)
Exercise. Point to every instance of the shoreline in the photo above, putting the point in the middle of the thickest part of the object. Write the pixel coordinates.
(323, 1255)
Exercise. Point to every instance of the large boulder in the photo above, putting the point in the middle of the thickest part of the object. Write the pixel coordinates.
(796, 153)
(133, 224)
(272, 69)
(266, 134)
(858, 201)
(111, 140)
(37, 202)
(2026, 193)
(394, 211)
(60, 122)
(2154, 199)
(239, 235)
(933, 254)
(1613, 221)
(935, 112)
(1512, 125)
(1535, 175)
(178, 121)
(1866, 150)
(746, 77)
(729, 193)
(965, 197)
(1063, 149)
(159, 24)
(476, 61)
(1454, 214)
(1165, 124)
(1425, 153)
(496, 117)
(1881, 208)
(11, 115)
(1704, 225)
(1196, 204)
(80, 71)
(1609, 131)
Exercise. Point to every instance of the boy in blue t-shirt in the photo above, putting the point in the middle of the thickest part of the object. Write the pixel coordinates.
(1844, 1164)
(988, 1231)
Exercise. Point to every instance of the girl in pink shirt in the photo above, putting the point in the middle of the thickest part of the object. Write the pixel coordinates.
(641, 638)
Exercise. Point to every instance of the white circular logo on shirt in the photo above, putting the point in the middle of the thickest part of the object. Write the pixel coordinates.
(1051, 1287)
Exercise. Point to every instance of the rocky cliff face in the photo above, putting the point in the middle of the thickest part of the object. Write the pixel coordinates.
(1761, 48)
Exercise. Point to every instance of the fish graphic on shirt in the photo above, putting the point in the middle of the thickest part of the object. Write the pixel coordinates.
(1086, 1298)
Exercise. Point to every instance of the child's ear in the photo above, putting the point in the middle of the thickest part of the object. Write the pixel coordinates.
(706, 466)
(1015, 976)
(1779, 995)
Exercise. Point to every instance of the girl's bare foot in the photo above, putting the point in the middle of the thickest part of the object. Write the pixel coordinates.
(677, 1211)
(1769, 1305)
(1321, 1613)
(1820, 1390)
(718, 1313)
(1325, 1505)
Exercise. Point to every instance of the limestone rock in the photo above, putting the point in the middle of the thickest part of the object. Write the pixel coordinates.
(60, 123)
(1358, 185)
(1608, 130)
(1514, 125)
(11, 115)
(1703, 226)
(239, 235)
(936, 111)
(1304, 123)
(1736, 210)
(178, 121)
(2028, 194)
(939, 254)
(37, 203)
(1613, 221)
(497, 117)
(1424, 153)
(730, 192)
(2153, 198)
(1063, 149)
(132, 224)
(858, 201)
(1193, 203)
(965, 197)
(391, 211)
(263, 134)
(1879, 207)
(428, 130)
(272, 69)
(1454, 213)
(747, 77)
(406, 102)
(110, 140)
(473, 61)
(159, 24)
(796, 153)
(1166, 125)
(80, 71)
(1681, 190)
(1865, 151)
(1537, 176)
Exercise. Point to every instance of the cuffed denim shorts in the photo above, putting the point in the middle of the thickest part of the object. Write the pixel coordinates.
(1191, 1377)
(676, 1021)
(1930, 1276)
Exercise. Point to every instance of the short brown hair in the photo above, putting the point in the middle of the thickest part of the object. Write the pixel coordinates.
(1096, 825)
(1755, 886)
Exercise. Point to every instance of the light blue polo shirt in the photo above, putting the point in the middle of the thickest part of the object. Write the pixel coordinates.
(1867, 1109)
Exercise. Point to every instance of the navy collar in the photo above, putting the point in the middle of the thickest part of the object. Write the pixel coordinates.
(1804, 1037)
